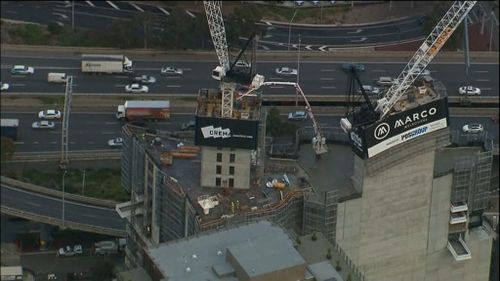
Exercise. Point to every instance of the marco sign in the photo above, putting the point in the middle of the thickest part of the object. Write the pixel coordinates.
(223, 132)
(401, 127)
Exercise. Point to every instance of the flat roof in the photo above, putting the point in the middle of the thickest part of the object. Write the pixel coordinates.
(9, 122)
(11, 270)
(147, 104)
(260, 246)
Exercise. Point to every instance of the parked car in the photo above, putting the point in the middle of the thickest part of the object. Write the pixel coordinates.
(370, 90)
(78, 249)
(65, 252)
(22, 69)
(188, 125)
(171, 71)
(473, 128)
(297, 116)
(286, 71)
(136, 88)
(469, 90)
(145, 79)
(44, 124)
(117, 142)
(49, 114)
(5, 86)
(357, 66)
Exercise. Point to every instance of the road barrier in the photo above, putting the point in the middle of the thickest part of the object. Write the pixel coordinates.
(57, 194)
(84, 155)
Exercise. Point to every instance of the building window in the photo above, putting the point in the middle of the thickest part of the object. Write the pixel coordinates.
(231, 170)
(218, 170)
(232, 157)
(217, 181)
(231, 182)
(219, 157)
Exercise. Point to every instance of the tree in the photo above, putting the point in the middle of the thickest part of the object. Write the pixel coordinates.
(7, 149)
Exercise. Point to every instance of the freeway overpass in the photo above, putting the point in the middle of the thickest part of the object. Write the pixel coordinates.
(45, 206)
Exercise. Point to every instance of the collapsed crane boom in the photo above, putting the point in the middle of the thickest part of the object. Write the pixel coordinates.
(424, 55)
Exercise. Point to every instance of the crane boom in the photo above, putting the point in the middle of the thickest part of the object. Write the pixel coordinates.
(218, 32)
(319, 141)
(424, 55)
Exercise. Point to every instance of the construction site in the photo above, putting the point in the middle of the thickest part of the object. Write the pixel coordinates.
(399, 195)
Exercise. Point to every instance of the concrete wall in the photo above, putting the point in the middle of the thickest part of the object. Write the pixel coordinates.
(440, 213)
(348, 227)
(241, 165)
(441, 266)
(394, 220)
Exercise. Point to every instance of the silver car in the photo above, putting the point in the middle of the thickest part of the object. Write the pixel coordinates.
(171, 71)
(49, 114)
(473, 128)
(286, 71)
(118, 142)
(44, 124)
(136, 88)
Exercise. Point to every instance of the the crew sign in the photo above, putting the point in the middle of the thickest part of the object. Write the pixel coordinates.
(223, 132)
(399, 128)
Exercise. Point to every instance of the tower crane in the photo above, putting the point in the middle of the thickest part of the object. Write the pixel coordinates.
(422, 57)
(318, 142)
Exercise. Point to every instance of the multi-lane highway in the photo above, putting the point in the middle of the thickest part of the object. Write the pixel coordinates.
(92, 130)
(316, 77)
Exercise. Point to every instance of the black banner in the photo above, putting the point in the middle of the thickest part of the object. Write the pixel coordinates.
(222, 132)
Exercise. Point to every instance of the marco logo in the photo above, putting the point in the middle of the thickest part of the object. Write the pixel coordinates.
(381, 131)
(211, 132)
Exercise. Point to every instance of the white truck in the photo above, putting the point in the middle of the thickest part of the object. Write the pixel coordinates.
(106, 64)
(133, 110)
(109, 247)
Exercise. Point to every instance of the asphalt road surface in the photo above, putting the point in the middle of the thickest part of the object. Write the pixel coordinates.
(52, 207)
(91, 131)
(316, 78)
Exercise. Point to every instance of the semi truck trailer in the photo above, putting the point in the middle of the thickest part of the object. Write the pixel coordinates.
(9, 128)
(143, 110)
(106, 64)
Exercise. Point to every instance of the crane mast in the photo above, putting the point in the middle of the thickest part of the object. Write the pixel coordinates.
(218, 33)
(424, 55)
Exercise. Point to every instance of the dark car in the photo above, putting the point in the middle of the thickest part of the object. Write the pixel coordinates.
(188, 126)
(348, 66)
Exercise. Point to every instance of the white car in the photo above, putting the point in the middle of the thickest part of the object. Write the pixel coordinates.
(471, 91)
(286, 71)
(297, 116)
(136, 88)
(78, 249)
(424, 72)
(5, 86)
(369, 90)
(473, 128)
(65, 252)
(44, 124)
(22, 69)
(171, 71)
(115, 142)
(241, 63)
(145, 79)
(49, 114)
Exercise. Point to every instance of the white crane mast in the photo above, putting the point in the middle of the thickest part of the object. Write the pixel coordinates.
(319, 141)
(424, 55)
(218, 33)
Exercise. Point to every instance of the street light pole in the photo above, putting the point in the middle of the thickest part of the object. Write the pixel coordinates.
(83, 184)
(63, 191)
(73, 15)
(290, 28)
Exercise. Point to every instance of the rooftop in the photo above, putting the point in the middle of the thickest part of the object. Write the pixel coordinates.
(210, 101)
(258, 248)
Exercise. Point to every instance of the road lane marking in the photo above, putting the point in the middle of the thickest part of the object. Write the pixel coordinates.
(173, 86)
(481, 71)
(35, 142)
(327, 70)
(485, 89)
(186, 69)
(191, 14)
(276, 87)
(19, 142)
(164, 11)
(54, 142)
(112, 5)
(173, 77)
(137, 7)
(111, 123)
(90, 3)
(120, 85)
(33, 204)
(109, 133)
(18, 85)
(483, 80)
(61, 15)
(329, 87)
(379, 70)
(326, 78)
(264, 47)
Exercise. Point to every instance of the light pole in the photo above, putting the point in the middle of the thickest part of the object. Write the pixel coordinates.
(73, 15)
(64, 174)
(290, 28)
(83, 183)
